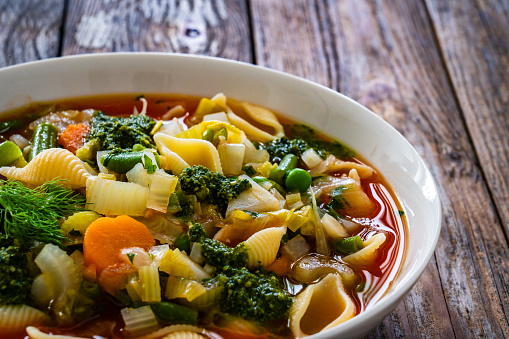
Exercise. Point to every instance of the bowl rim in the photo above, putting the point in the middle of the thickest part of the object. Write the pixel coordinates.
(389, 299)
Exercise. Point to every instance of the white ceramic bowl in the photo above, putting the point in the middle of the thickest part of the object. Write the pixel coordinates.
(302, 100)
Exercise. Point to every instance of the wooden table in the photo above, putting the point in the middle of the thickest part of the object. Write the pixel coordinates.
(438, 71)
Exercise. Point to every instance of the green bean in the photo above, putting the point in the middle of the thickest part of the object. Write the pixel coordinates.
(10, 125)
(298, 179)
(9, 152)
(176, 314)
(91, 290)
(349, 245)
(122, 163)
(44, 137)
(288, 163)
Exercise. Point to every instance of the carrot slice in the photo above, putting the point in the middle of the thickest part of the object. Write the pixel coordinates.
(281, 266)
(73, 138)
(106, 237)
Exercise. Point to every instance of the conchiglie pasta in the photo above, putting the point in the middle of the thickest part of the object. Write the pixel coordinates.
(53, 163)
(192, 151)
(368, 254)
(15, 318)
(172, 329)
(35, 333)
(320, 306)
(263, 246)
(264, 117)
(183, 335)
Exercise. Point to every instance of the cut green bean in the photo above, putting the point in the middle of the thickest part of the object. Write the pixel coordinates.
(44, 137)
(288, 163)
(262, 180)
(298, 179)
(175, 314)
(122, 163)
(349, 245)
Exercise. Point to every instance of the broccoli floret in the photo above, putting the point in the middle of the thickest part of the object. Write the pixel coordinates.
(115, 133)
(301, 139)
(255, 295)
(212, 187)
(15, 284)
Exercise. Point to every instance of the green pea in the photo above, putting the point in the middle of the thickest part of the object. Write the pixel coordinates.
(288, 163)
(298, 179)
(208, 134)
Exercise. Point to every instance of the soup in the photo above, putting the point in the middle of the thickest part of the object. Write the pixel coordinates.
(169, 215)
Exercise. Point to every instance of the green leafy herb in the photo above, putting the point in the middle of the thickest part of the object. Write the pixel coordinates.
(33, 214)
(131, 257)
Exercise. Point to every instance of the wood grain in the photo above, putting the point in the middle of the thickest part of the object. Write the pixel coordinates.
(215, 28)
(385, 56)
(474, 37)
(29, 30)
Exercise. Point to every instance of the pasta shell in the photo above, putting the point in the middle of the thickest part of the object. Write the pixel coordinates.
(172, 329)
(368, 254)
(235, 135)
(192, 151)
(252, 132)
(183, 335)
(15, 318)
(53, 163)
(364, 171)
(35, 333)
(320, 306)
(264, 117)
(263, 246)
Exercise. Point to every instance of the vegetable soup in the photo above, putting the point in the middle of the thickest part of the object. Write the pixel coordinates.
(172, 216)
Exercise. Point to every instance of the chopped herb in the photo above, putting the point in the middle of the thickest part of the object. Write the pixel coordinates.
(33, 214)
(401, 213)
(131, 257)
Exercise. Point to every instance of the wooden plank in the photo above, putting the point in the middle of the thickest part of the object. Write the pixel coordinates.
(385, 56)
(29, 30)
(475, 42)
(215, 28)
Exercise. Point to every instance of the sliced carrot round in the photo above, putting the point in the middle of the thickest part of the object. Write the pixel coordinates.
(106, 237)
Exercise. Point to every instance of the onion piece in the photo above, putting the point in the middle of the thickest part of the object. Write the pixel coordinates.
(295, 248)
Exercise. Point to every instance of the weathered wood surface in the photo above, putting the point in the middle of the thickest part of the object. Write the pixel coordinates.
(437, 71)
(29, 30)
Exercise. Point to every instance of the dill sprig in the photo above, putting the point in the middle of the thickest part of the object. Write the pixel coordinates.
(33, 214)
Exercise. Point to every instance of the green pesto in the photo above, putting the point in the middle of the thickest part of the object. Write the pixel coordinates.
(257, 295)
(116, 132)
(218, 255)
(15, 284)
(183, 204)
(211, 187)
(301, 139)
